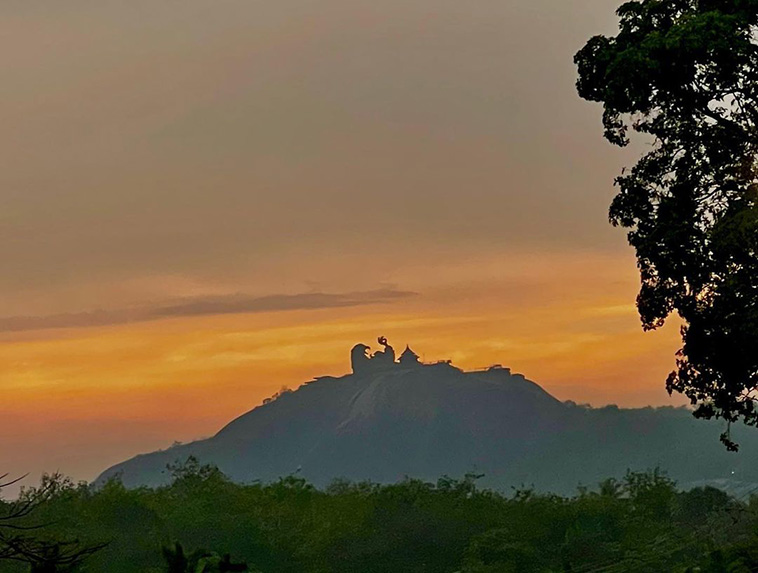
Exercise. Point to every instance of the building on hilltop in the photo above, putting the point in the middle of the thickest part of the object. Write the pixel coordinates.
(409, 358)
(363, 360)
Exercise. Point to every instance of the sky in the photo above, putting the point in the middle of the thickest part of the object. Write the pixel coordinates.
(202, 202)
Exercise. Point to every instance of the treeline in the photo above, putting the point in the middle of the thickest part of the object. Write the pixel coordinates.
(204, 522)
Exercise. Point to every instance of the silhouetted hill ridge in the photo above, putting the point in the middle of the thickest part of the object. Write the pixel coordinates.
(426, 421)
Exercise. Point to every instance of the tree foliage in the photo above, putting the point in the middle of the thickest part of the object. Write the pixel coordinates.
(684, 75)
(25, 541)
(202, 522)
(199, 561)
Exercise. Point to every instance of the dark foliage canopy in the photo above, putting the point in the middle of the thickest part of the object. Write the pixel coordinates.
(20, 540)
(684, 74)
(204, 523)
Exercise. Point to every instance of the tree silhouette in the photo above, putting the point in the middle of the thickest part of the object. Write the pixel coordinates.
(13, 524)
(639, 522)
(225, 565)
(199, 561)
(176, 560)
(18, 544)
(50, 556)
(683, 74)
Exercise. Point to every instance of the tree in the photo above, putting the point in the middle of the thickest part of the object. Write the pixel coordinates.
(683, 74)
(13, 527)
(17, 542)
(198, 561)
(50, 556)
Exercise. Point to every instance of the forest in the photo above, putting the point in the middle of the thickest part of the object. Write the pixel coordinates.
(203, 522)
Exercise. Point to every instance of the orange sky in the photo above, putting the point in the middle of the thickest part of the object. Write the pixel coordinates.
(82, 398)
(203, 201)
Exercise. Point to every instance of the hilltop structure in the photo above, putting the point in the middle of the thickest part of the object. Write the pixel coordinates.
(392, 418)
(409, 358)
(362, 361)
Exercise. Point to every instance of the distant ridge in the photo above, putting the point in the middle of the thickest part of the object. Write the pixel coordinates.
(391, 419)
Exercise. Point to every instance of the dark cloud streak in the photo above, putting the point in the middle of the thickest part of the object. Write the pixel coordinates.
(203, 306)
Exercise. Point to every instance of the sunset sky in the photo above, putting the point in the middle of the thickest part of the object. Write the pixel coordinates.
(202, 202)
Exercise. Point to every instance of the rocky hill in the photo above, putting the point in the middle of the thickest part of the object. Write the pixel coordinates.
(389, 419)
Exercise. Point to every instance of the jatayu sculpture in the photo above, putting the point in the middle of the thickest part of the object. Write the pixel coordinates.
(364, 361)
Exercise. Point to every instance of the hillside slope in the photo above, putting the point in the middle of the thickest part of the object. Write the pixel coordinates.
(425, 421)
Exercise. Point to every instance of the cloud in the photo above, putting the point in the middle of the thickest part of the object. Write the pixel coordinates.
(203, 306)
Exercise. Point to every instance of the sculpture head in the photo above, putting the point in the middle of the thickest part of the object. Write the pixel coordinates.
(359, 358)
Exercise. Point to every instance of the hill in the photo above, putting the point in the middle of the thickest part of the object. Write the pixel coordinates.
(389, 419)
